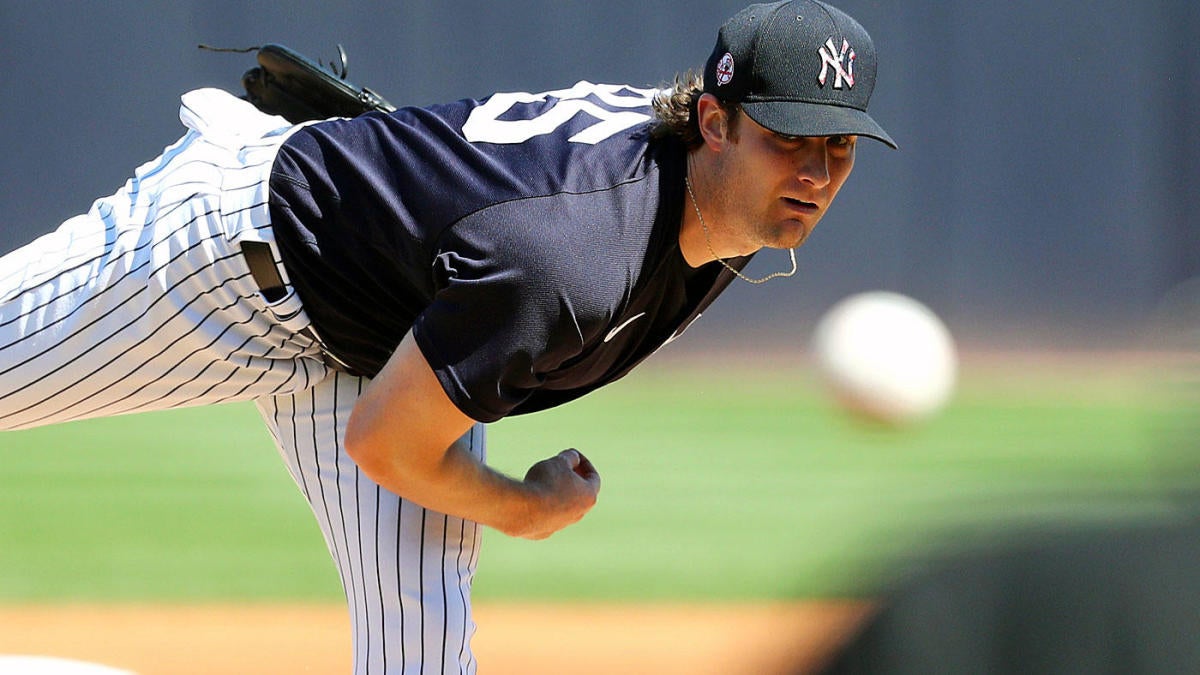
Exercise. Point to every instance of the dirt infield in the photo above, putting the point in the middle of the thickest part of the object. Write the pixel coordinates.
(512, 639)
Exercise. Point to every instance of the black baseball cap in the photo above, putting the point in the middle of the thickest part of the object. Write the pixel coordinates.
(800, 67)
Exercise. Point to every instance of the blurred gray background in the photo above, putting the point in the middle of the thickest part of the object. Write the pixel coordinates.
(1045, 194)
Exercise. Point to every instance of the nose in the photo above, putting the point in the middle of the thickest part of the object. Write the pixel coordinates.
(813, 163)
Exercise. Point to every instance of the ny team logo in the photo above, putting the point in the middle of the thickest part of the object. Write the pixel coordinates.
(842, 63)
(725, 69)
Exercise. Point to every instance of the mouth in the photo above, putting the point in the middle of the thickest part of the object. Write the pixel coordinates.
(801, 206)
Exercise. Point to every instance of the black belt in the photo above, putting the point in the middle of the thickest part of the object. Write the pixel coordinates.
(266, 275)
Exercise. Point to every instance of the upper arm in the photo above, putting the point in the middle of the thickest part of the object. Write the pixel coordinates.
(404, 411)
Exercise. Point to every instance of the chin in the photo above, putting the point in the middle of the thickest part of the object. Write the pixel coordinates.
(790, 235)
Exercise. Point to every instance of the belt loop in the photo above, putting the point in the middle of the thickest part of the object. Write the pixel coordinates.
(282, 301)
(261, 262)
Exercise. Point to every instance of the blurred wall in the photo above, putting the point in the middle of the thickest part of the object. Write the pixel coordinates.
(1045, 194)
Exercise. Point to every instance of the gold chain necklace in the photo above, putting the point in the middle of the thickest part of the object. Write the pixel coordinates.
(708, 242)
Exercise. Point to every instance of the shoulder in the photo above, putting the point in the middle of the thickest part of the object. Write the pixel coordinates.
(562, 259)
(563, 241)
(609, 223)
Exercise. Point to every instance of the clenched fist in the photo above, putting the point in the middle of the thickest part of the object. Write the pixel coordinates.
(566, 487)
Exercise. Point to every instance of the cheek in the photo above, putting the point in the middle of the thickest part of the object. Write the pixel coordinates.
(839, 172)
(775, 170)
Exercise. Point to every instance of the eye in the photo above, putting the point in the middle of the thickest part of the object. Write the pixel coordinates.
(842, 141)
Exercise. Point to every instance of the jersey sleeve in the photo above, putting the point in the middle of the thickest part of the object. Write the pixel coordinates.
(513, 305)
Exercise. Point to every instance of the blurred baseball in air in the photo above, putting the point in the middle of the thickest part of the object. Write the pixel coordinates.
(885, 357)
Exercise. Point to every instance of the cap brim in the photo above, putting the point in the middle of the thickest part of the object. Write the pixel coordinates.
(815, 119)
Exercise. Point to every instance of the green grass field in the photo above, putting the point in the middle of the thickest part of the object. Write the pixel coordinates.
(730, 482)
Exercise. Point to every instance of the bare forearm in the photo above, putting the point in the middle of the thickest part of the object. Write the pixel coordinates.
(458, 484)
(555, 493)
(408, 436)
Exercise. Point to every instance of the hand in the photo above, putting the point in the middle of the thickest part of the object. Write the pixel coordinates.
(567, 486)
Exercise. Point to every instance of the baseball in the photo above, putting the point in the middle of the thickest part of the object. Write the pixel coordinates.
(886, 357)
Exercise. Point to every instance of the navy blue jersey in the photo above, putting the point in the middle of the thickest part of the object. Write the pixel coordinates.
(529, 241)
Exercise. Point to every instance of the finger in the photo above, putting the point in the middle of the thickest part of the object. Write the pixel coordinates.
(572, 456)
(588, 474)
(585, 469)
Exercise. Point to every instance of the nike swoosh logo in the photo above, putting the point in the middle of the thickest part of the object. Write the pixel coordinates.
(613, 333)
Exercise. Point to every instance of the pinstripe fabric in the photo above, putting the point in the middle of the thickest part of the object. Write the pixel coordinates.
(406, 571)
(145, 302)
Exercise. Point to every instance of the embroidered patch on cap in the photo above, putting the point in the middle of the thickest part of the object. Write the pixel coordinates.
(725, 69)
(842, 63)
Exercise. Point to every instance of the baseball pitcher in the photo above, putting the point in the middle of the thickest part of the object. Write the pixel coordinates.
(384, 282)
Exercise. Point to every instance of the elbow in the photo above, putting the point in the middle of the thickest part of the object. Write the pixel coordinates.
(377, 453)
(363, 446)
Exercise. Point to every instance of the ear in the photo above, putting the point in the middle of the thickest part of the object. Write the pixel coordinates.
(713, 121)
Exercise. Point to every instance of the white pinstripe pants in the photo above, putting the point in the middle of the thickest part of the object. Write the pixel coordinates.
(146, 303)
(407, 572)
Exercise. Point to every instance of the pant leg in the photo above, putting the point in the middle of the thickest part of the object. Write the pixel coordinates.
(407, 572)
(145, 302)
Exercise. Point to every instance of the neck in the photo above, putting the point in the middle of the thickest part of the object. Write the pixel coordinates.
(697, 245)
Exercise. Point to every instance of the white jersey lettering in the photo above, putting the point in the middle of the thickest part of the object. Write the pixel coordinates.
(484, 125)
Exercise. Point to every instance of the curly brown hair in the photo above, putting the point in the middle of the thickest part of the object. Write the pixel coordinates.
(675, 109)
